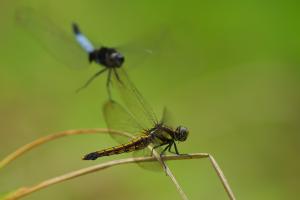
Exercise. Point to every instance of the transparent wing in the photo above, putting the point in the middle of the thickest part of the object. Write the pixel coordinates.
(133, 100)
(62, 46)
(140, 50)
(117, 118)
(168, 118)
(151, 166)
(135, 55)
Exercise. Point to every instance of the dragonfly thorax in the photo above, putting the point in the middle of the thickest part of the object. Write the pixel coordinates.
(108, 57)
(165, 133)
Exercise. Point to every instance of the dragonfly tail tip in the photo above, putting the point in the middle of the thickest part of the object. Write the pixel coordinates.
(75, 28)
(91, 156)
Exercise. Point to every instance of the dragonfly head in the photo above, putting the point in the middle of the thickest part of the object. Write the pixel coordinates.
(117, 59)
(181, 133)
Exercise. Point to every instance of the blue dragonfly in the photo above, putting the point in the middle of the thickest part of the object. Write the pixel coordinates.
(77, 50)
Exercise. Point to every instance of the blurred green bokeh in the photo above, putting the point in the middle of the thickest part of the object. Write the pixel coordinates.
(229, 70)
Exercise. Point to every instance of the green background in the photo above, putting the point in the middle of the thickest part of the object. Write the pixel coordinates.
(228, 70)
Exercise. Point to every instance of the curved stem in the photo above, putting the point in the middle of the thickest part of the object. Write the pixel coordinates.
(222, 177)
(58, 135)
(28, 190)
(44, 184)
(20, 151)
(24, 191)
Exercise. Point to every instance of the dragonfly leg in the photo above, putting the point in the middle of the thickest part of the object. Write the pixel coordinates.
(155, 148)
(175, 147)
(176, 150)
(91, 79)
(117, 75)
(108, 84)
(165, 149)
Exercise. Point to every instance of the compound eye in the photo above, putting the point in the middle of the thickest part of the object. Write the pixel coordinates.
(118, 57)
(182, 133)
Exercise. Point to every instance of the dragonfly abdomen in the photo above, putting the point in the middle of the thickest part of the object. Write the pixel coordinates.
(135, 144)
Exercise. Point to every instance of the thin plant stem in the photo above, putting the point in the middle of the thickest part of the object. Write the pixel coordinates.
(27, 147)
(24, 191)
(168, 172)
(221, 177)
(27, 190)
(58, 135)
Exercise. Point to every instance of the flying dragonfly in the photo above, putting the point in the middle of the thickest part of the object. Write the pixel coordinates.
(75, 51)
(108, 57)
(139, 120)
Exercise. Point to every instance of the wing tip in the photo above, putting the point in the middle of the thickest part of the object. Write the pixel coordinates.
(23, 14)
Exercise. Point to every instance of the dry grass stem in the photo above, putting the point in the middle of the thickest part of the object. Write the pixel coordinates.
(58, 135)
(222, 177)
(20, 151)
(168, 172)
(28, 190)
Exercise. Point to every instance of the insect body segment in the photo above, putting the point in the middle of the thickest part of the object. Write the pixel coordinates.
(159, 136)
(105, 56)
(135, 144)
(83, 41)
(108, 57)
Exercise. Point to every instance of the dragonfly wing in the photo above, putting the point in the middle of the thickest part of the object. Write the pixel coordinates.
(168, 118)
(140, 50)
(155, 146)
(117, 118)
(135, 56)
(62, 46)
(151, 166)
(140, 110)
(133, 100)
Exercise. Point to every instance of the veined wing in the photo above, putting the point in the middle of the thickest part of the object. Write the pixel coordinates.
(140, 49)
(151, 166)
(133, 100)
(135, 55)
(59, 44)
(117, 118)
(168, 118)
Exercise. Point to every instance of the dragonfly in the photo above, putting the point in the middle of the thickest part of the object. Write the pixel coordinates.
(109, 58)
(76, 51)
(137, 118)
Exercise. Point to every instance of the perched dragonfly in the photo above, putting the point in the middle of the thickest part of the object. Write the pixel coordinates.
(140, 121)
(75, 51)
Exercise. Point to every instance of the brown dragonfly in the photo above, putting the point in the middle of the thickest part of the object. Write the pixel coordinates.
(139, 120)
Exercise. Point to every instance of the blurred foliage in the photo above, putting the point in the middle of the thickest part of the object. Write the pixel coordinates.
(229, 70)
